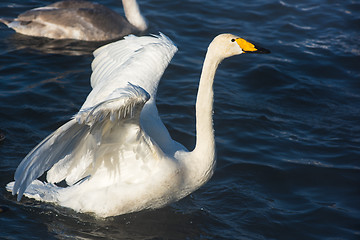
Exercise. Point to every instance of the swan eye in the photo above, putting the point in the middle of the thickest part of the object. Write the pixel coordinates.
(233, 40)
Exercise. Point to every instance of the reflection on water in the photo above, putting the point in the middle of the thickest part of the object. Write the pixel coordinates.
(50, 46)
(144, 225)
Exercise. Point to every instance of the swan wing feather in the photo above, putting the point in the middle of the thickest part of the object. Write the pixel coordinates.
(139, 60)
(74, 150)
(54, 147)
(133, 63)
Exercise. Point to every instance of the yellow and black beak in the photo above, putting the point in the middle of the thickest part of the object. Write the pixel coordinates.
(248, 47)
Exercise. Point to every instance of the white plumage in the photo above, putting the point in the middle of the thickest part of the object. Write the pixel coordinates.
(116, 155)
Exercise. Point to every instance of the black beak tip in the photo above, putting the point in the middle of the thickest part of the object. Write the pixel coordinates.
(262, 50)
(259, 50)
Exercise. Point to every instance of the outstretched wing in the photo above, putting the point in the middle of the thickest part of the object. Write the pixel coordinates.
(95, 135)
(138, 60)
(125, 74)
(141, 61)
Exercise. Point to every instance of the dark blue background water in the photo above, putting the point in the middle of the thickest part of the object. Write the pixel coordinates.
(287, 124)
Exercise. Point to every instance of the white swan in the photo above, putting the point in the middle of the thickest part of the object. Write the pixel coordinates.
(81, 20)
(115, 155)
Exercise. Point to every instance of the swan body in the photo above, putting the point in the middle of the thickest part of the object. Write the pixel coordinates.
(116, 155)
(81, 20)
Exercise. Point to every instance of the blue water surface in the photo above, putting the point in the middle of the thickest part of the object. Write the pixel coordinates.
(287, 124)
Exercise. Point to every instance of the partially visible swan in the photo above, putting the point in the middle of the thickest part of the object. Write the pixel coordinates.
(81, 20)
(116, 155)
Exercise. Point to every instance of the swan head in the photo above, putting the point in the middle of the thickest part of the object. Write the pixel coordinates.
(227, 45)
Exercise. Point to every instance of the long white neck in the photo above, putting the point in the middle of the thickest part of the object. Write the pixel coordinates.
(133, 15)
(205, 141)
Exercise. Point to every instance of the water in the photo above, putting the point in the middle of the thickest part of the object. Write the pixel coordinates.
(286, 124)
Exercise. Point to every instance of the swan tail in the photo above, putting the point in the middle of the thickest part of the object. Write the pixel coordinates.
(40, 191)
